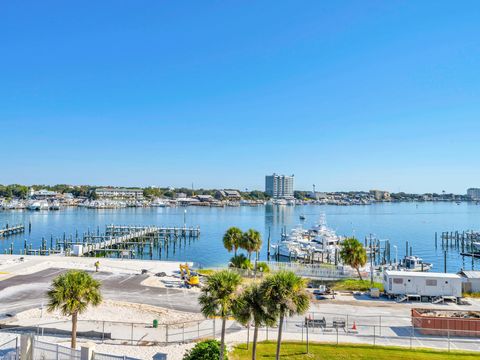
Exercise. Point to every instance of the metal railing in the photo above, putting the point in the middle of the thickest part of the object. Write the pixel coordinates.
(10, 349)
(43, 350)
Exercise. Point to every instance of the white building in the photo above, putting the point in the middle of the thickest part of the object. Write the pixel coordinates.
(119, 193)
(474, 193)
(471, 281)
(418, 284)
(279, 186)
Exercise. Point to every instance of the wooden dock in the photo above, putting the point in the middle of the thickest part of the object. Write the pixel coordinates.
(118, 239)
(12, 230)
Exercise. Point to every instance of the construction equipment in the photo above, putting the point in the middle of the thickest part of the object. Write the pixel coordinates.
(190, 278)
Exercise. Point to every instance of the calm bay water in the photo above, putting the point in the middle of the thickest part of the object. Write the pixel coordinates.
(398, 222)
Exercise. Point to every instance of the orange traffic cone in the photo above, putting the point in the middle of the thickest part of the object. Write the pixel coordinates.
(354, 327)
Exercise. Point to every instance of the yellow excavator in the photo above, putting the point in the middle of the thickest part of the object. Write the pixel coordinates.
(191, 278)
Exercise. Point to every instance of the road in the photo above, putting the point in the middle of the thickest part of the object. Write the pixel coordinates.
(23, 292)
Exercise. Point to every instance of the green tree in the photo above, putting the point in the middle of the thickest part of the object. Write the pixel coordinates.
(218, 297)
(251, 242)
(232, 239)
(285, 295)
(354, 254)
(251, 307)
(72, 293)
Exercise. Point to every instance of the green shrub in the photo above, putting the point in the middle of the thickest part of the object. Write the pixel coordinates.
(263, 267)
(240, 262)
(204, 350)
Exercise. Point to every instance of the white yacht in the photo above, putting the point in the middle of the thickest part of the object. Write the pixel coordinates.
(38, 205)
(318, 240)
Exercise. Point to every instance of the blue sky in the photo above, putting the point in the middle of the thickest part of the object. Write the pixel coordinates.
(349, 95)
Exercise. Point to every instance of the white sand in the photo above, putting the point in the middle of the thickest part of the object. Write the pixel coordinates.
(11, 265)
(111, 311)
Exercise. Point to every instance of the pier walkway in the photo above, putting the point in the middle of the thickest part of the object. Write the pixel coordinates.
(11, 230)
(123, 240)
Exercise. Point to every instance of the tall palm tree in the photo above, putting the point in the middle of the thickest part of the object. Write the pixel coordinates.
(218, 298)
(251, 307)
(285, 295)
(251, 242)
(354, 254)
(72, 293)
(232, 239)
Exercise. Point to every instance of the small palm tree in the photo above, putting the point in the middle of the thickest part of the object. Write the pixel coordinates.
(72, 293)
(285, 295)
(232, 239)
(251, 307)
(240, 262)
(251, 242)
(218, 298)
(354, 254)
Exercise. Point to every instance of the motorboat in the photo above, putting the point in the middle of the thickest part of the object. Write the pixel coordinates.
(414, 263)
(55, 206)
(38, 205)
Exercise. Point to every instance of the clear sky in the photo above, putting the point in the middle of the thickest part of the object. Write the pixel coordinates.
(349, 95)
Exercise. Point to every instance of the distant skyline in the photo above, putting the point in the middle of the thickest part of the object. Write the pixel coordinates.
(346, 95)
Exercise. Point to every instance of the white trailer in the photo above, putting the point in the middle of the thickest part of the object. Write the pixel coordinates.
(417, 285)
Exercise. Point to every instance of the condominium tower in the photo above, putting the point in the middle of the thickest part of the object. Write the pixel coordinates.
(279, 186)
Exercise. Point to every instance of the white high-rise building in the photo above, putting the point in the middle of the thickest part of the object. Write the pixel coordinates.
(474, 193)
(279, 186)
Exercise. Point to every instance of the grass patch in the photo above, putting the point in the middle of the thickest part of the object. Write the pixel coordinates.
(355, 285)
(472, 295)
(297, 351)
(205, 271)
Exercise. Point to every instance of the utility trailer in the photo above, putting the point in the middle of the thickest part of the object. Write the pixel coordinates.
(424, 286)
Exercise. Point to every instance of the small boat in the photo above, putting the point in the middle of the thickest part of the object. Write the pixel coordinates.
(414, 263)
(302, 217)
(476, 246)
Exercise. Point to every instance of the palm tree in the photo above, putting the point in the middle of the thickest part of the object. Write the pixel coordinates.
(354, 254)
(285, 295)
(232, 239)
(240, 262)
(251, 242)
(218, 297)
(72, 293)
(251, 307)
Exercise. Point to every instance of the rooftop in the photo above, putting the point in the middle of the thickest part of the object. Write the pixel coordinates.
(420, 274)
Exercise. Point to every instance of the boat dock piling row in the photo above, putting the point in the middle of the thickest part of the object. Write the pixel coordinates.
(465, 242)
(119, 240)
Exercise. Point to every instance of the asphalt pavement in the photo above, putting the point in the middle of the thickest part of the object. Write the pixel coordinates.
(23, 292)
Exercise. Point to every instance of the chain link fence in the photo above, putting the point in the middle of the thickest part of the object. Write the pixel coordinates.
(314, 326)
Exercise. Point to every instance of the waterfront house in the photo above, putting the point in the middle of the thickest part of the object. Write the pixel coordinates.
(232, 195)
(205, 198)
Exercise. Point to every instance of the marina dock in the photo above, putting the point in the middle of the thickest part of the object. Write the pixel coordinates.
(120, 240)
(12, 230)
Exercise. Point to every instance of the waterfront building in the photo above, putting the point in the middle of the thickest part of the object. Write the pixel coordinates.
(43, 194)
(474, 193)
(279, 186)
(119, 193)
(380, 195)
(232, 195)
